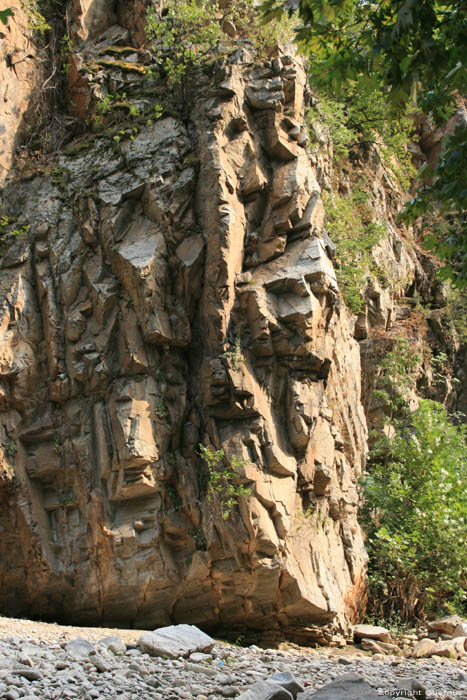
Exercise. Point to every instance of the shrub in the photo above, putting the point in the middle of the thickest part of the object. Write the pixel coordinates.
(222, 478)
(415, 514)
(363, 119)
(189, 34)
(350, 224)
(235, 353)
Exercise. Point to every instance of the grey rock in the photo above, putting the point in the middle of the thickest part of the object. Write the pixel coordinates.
(198, 657)
(344, 660)
(287, 681)
(31, 674)
(100, 663)
(410, 688)
(266, 690)
(113, 644)
(350, 686)
(175, 641)
(79, 647)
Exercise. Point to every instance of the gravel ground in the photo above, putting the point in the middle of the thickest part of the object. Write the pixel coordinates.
(41, 660)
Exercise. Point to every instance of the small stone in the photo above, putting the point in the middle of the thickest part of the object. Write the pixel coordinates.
(79, 647)
(344, 660)
(198, 657)
(31, 674)
(113, 644)
(11, 695)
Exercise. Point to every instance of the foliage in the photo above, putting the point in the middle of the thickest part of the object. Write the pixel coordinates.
(66, 496)
(362, 118)
(57, 442)
(444, 192)
(11, 448)
(199, 538)
(222, 478)
(414, 52)
(350, 225)
(189, 33)
(235, 353)
(396, 379)
(395, 624)
(36, 19)
(415, 513)
(174, 496)
(110, 102)
(456, 313)
(4, 14)
(8, 232)
(162, 410)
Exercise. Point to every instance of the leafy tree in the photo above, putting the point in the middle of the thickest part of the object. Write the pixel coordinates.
(415, 515)
(408, 49)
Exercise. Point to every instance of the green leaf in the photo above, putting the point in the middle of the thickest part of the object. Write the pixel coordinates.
(4, 14)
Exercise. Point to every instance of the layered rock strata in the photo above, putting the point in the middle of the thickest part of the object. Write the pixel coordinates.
(177, 289)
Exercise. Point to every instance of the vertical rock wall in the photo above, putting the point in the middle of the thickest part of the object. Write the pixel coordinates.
(177, 289)
(22, 77)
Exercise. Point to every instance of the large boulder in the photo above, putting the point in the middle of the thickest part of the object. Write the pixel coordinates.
(446, 625)
(175, 641)
(350, 686)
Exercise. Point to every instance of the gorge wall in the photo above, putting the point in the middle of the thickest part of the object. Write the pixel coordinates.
(176, 288)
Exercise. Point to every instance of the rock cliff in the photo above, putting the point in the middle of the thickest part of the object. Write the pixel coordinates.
(175, 289)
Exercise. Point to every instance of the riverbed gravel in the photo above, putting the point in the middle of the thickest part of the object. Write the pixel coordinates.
(55, 662)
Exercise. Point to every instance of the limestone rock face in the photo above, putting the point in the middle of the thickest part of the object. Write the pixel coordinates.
(176, 289)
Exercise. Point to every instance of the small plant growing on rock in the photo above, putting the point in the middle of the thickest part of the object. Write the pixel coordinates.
(11, 448)
(57, 445)
(222, 478)
(162, 410)
(235, 353)
(66, 497)
(199, 538)
(174, 496)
